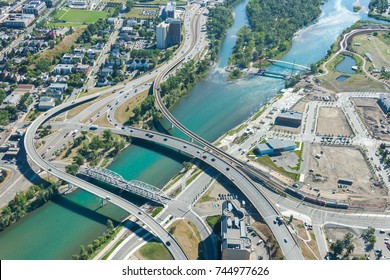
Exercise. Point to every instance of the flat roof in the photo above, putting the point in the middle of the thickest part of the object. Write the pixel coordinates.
(277, 144)
(263, 147)
(291, 115)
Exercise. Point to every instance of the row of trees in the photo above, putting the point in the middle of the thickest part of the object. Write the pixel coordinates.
(219, 20)
(27, 201)
(273, 24)
(108, 235)
(183, 80)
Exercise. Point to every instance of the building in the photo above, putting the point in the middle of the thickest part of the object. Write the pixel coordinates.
(168, 33)
(14, 98)
(58, 87)
(174, 32)
(46, 103)
(384, 102)
(112, 20)
(35, 8)
(169, 10)
(275, 146)
(63, 69)
(51, 3)
(289, 118)
(81, 68)
(161, 35)
(19, 20)
(70, 58)
(78, 4)
(235, 244)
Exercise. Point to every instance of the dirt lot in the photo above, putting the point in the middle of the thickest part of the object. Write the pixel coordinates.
(284, 129)
(300, 106)
(372, 116)
(333, 233)
(332, 121)
(346, 163)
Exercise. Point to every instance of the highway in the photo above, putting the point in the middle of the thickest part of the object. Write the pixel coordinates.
(31, 151)
(29, 144)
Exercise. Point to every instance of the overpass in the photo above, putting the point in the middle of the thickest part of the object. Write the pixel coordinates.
(35, 157)
(136, 187)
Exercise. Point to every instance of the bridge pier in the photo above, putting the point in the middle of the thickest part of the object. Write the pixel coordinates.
(172, 126)
(104, 202)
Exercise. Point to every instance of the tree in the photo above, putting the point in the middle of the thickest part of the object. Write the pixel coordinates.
(371, 239)
(187, 165)
(79, 159)
(349, 248)
(107, 135)
(337, 247)
(110, 224)
(72, 169)
(4, 117)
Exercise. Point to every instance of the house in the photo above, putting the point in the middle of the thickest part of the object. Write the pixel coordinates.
(107, 71)
(58, 87)
(81, 68)
(63, 69)
(46, 103)
(112, 20)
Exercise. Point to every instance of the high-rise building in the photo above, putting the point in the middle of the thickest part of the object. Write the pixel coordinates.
(168, 33)
(170, 9)
(161, 34)
(174, 32)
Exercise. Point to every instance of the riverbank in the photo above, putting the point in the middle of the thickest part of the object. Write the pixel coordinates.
(267, 37)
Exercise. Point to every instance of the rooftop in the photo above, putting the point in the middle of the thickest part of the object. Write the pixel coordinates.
(291, 115)
(277, 144)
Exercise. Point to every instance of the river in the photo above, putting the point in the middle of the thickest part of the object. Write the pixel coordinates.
(57, 229)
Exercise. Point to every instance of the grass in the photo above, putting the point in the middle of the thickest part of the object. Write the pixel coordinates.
(125, 110)
(213, 220)
(206, 197)
(156, 211)
(80, 16)
(63, 46)
(187, 235)
(266, 160)
(154, 251)
(161, 2)
(192, 178)
(137, 13)
(105, 257)
(234, 131)
(102, 121)
(173, 181)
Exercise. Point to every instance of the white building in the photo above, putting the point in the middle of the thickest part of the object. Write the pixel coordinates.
(161, 33)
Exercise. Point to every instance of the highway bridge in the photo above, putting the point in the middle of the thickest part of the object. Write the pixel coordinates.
(32, 152)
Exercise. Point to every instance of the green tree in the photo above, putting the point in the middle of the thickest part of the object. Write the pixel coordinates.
(72, 169)
(337, 247)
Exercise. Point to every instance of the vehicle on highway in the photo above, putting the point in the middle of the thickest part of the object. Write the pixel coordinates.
(93, 127)
(285, 240)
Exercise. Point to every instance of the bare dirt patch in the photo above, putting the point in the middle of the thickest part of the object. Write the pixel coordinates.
(373, 117)
(187, 235)
(341, 162)
(332, 121)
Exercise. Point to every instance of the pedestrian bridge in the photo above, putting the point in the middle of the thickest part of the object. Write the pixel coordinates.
(136, 187)
(294, 65)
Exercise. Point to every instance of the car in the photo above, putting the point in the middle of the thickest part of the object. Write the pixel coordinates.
(285, 240)
(213, 159)
(123, 127)
(49, 169)
(139, 213)
(227, 168)
(168, 243)
(165, 139)
(147, 134)
(204, 157)
(381, 231)
(184, 146)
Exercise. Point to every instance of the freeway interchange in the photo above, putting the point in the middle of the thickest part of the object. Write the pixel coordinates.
(237, 172)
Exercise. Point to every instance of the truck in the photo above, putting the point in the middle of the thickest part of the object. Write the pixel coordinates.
(93, 127)
(74, 132)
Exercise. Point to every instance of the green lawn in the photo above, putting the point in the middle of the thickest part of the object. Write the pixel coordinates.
(213, 220)
(155, 251)
(137, 13)
(161, 2)
(80, 16)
